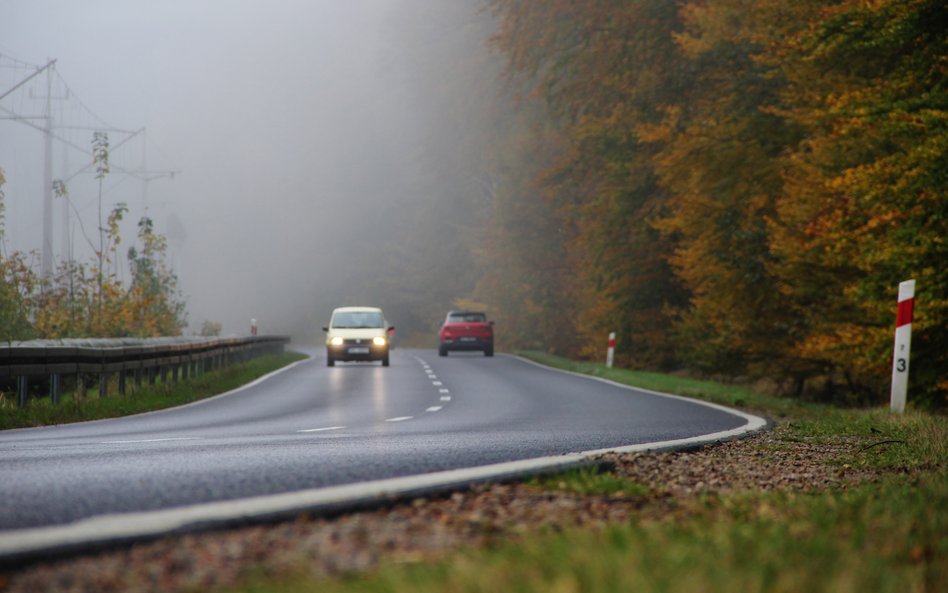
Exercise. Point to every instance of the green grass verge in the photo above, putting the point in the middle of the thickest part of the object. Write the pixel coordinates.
(42, 412)
(915, 439)
(589, 481)
(881, 536)
(719, 393)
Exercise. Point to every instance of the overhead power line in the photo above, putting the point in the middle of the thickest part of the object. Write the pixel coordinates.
(24, 90)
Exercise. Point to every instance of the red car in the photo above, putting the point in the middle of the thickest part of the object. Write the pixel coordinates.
(466, 330)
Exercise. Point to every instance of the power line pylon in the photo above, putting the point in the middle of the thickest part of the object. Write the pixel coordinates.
(49, 134)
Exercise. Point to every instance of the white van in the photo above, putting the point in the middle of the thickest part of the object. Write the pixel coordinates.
(357, 333)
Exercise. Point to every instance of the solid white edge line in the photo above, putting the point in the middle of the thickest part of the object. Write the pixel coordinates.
(104, 528)
(136, 525)
(754, 423)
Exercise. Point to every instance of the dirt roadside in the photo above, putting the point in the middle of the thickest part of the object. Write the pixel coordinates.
(425, 529)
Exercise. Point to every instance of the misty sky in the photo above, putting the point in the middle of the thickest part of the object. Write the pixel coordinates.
(287, 119)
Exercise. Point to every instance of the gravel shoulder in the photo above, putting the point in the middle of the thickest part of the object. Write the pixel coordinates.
(426, 529)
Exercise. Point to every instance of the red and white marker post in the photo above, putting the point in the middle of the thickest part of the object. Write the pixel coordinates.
(611, 352)
(253, 327)
(903, 345)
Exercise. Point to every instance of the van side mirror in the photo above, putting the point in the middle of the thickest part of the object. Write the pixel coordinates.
(325, 329)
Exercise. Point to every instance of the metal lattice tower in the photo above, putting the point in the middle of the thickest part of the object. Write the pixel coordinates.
(26, 90)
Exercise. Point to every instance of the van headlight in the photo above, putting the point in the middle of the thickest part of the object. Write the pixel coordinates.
(378, 341)
(337, 341)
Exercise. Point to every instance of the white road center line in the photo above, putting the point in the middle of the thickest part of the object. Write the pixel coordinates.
(444, 390)
(436, 383)
(445, 398)
(151, 440)
(399, 419)
(322, 429)
(433, 409)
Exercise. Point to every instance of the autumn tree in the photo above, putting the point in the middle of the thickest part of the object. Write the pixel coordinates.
(526, 279)
(601, 69)
(864, 205)
(157, 308)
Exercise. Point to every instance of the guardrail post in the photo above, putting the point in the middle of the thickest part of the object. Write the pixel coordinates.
(55, 387)
(121, 382)
(103, 384)
(23, 385)
(138, 378)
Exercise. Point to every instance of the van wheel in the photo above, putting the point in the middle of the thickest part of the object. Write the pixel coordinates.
(330, 361)
(442, 351)
(385, 361)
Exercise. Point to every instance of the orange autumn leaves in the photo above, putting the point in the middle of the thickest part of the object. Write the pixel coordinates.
(745, 183)
(76, 301)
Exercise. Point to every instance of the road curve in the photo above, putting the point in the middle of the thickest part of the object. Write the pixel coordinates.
(310, 426)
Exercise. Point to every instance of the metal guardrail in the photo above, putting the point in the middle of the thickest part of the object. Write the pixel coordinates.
(141, 359)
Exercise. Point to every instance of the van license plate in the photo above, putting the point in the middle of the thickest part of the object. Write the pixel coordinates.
(358, 350)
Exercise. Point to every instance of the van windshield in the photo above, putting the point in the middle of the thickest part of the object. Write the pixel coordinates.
(357, 320)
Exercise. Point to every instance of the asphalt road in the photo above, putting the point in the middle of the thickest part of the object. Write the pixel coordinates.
(312, 426)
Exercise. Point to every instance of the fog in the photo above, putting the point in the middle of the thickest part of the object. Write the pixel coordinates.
(293, 127)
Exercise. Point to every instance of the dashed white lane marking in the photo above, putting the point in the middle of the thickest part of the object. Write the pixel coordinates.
(322, 429)
(445, 398)
(399, 419)
(444, 390)
(151, 440)
(433, 409)
(436, 383)
(430, 376)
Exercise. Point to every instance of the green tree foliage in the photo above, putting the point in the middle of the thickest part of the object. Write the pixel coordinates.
(865, 202)
(742, 183)
(157, 308)
(719, 159)
(601, 69)
(526, 281)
